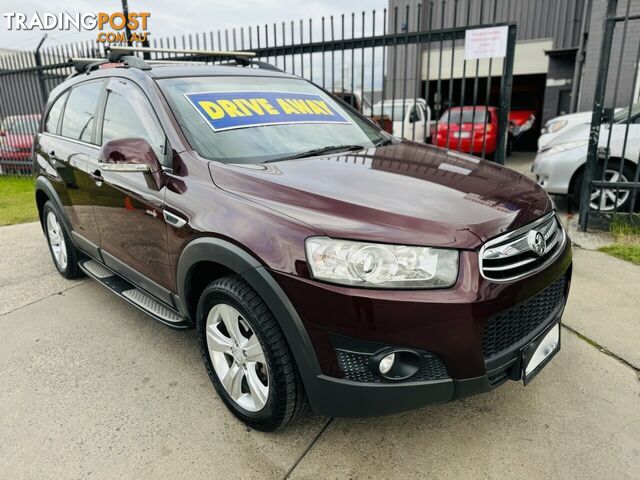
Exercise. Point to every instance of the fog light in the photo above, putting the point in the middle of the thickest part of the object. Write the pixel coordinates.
(386, 363)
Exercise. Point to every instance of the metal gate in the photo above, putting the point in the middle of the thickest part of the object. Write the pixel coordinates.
(401, 67)
(610, 183)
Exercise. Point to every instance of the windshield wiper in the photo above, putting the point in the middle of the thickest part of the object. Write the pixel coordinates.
(320, 151)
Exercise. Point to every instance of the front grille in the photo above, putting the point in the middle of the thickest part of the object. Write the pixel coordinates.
(507, 329)
(512, 256)
(356, 368)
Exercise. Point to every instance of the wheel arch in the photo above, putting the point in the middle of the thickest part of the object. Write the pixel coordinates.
(573, 187)
(44, 192)
(213, 258)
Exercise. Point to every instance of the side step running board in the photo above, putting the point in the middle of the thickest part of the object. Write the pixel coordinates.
(121, 287)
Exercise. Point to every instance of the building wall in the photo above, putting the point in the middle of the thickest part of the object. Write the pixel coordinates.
(557, 22)
(624, 57)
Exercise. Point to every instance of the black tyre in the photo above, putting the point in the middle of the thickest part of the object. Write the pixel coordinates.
(63, 252)
(247, 357)
(618, 200)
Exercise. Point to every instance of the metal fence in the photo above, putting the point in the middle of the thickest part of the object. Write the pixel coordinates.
(610, 182)
(397, 67)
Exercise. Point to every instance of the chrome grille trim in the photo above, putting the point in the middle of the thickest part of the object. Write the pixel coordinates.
(506, 257)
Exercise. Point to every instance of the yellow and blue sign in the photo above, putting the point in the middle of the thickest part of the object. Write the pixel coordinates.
(231, 110)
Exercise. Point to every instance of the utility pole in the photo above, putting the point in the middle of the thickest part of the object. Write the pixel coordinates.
(125, 11)
(39, 71)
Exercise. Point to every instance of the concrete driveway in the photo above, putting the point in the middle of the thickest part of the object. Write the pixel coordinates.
(92, 388)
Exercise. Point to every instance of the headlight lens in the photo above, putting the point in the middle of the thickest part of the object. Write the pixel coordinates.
(381, 266)
(557, 125)
(563, 147)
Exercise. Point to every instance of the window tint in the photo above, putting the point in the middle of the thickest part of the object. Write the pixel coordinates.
(122, 120)
(80, 111)
(51, 125)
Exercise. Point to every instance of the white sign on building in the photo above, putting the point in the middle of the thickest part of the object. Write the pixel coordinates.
(485, 43)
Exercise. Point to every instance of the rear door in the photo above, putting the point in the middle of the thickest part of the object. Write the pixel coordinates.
(128, 206)
(67, 145)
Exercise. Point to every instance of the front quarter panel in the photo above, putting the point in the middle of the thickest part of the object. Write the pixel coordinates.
(275, 240)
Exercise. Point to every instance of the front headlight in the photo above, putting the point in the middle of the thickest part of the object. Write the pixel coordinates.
(563, 147)
(555, 126)
(361, 264)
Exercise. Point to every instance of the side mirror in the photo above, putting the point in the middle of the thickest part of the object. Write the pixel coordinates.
(607, 115)
(131, 155)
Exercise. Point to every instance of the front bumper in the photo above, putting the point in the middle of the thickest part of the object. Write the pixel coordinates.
(554, 171)
(447, 323)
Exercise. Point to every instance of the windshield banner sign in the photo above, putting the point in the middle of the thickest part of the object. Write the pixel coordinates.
(231, 110)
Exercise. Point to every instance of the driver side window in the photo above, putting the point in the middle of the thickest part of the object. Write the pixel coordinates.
(122, 120)
(416, 114)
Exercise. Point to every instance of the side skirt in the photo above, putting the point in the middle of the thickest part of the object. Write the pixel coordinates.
(154, 308)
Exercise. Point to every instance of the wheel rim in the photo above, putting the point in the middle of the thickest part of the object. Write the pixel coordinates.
(609, 199)
(56, 240)
(237, 357)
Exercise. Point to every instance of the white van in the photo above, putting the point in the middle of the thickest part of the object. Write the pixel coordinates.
(414, 125)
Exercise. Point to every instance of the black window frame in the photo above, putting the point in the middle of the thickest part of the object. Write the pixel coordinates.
(64, 96)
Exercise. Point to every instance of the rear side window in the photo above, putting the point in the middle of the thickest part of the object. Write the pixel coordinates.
(80, 111)
(53, 119)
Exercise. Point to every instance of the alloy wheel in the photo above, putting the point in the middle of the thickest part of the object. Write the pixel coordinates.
(237, 357)
(56, 240)
(607, 200)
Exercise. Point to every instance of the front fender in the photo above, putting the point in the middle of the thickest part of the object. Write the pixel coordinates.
(257, 276)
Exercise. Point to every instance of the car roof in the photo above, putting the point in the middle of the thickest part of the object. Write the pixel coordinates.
(181, 70)
(168, 70)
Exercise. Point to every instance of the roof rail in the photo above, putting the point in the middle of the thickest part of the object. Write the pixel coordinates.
(85, 65)
(125, 55)
(82, 65)
(115, 52)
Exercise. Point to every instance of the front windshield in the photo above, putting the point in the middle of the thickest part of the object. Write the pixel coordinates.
(257, 119)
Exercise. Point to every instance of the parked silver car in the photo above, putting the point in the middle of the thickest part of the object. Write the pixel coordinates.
(559, 167)
(560, 125)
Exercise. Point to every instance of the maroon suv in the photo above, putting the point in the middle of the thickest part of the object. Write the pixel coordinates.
(320, 259)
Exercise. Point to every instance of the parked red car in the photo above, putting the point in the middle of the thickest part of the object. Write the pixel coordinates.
(521, 121)
(16, 139)
(466, 128)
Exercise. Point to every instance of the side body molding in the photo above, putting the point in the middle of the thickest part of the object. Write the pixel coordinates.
(251, 270)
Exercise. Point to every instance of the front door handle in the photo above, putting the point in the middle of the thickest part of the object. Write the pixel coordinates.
(97, 177)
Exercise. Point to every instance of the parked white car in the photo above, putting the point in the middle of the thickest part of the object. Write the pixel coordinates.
(558, 168)
(560, 125)
(416, 121)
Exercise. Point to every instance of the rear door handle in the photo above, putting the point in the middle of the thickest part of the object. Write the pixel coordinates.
(52, 158)
(97, 177)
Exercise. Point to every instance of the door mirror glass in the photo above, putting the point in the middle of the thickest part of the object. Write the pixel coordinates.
(129, 155)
